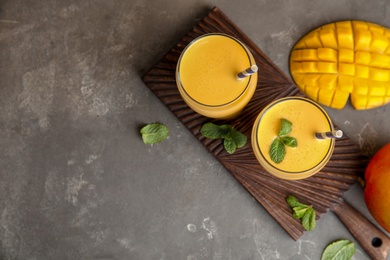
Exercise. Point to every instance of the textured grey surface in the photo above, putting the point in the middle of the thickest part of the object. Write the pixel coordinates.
(76, 181)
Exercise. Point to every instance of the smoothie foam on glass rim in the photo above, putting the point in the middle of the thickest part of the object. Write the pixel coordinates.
(307, 118)
(206, 75)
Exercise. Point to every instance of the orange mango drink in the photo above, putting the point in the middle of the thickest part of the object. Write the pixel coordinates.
(206, 76)
(307, 118)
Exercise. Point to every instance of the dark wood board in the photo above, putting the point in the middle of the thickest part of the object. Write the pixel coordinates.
(323, 190)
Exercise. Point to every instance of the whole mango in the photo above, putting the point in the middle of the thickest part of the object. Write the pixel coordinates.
(342, 59)
(376, 191)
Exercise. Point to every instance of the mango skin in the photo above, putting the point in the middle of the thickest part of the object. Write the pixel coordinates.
(377, 187)
(342, 60)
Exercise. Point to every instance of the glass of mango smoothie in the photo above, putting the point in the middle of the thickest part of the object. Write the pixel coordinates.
(308, 120)
(206, 75)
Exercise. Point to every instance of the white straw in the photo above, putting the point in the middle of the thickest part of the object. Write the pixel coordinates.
(249, 71)
(331, 134)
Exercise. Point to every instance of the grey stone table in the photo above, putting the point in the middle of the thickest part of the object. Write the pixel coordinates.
(76, 180)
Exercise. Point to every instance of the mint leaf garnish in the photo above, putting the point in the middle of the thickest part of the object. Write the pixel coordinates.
(302, 211)
(339, 250)
(229, 145)
(309, 219)
(293, 202)
(286, 127)
(239, 138)
(289, 141)
(213, 131)
(299, 212)
(154, 133)
(232, 139)
(277, 150)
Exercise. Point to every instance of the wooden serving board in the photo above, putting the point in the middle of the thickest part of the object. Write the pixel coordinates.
(323, 190)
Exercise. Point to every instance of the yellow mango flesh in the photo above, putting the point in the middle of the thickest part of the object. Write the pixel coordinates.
(341, 60)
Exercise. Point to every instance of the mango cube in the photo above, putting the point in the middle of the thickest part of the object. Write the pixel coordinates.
(327, 54)
(362, 57)
(329, 38)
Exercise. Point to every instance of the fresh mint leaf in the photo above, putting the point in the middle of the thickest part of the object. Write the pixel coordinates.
(228, 135)
(299, 212)
(302, 211)
(239, 138)
(213, 131)
(289, 141)
(286, 127)
(312, 220)
(154, 133)
(277, 150)
(232, 139)
(293, 202)
(309, 219)
(339, 250)
(229, 145)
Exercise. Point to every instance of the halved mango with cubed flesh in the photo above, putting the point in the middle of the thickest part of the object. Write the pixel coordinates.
(341, 60)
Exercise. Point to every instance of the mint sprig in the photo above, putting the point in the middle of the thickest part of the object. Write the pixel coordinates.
(286, 127)
(232, 139)
(277, 150)
(339, 250)
(304, 212)
(154, 133)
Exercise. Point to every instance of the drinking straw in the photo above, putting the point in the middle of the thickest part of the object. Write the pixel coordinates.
(330, 134)
(249, 71)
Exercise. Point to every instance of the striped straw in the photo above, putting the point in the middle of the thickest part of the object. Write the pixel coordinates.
(331, 134)
(249, 71)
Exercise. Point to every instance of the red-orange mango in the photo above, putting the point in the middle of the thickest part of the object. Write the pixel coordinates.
(377, 187)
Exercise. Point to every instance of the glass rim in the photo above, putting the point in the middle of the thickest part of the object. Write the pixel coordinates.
(249, 56)
(309, 170)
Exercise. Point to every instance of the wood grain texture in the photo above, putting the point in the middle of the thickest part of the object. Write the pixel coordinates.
(322, 190)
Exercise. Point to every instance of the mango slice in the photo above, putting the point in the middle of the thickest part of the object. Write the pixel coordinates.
(342, 60)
